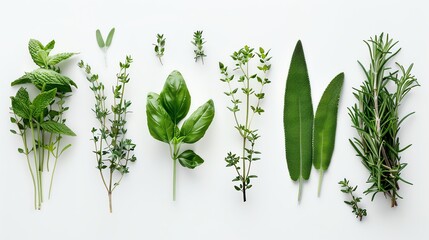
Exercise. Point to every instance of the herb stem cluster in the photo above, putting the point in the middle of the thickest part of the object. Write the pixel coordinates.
(113, 151)
(242, 163)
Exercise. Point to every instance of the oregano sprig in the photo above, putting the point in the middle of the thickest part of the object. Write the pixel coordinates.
(41, 122)
(113, 151)
(252, 91)
(198, 42)
(159, 46)
(346, 188)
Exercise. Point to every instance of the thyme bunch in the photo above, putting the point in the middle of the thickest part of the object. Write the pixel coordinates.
(253, 92)
(113, 151)
(198, 42)
(376, 119)
(346, 188)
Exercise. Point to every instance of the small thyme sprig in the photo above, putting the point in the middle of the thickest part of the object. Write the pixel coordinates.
(113, 151)
(198, 43)
(242, 164)
(346, 188)
(159, 46)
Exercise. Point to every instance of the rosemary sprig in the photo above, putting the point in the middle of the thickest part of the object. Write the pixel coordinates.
(376, 120)
(346, 188)
(113, 151)
(198, 43)
(159, 47)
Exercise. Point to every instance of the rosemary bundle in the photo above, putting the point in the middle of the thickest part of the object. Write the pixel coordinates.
(376, 119)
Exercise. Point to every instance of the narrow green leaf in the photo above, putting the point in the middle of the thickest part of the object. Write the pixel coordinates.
(110, 37)
(56, 127)
(190, 159)
(21, 104)
(196, 125)
(42, 101)
(57, 58)
(175, 97)
(22, 80)
(100, 40)
(298, 118)
(49, 46)
(160, 125)
(325, 125)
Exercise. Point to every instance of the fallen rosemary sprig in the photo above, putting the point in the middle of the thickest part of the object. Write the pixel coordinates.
(198, 43)
(112, 151)
(159, 47)
(346, 188)
(376, 117)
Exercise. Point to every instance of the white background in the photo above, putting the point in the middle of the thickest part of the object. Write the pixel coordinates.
(207, 206)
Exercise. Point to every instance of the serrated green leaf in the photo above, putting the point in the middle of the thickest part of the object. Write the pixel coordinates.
(110, 37)
(34, 47)
(298, 118)
(175, 97)
(194, 128)
(325, 125)
(100, 40)
(22, 80)
(21, 104)
(57, 58)
(49, 46)
(55, 127)
(160, 125)
(42, 101)
(49, 79)
(190, 159)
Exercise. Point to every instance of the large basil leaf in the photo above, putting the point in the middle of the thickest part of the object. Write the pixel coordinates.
(42, 101)
(175, 97)
(21, 104)
(190, 159)
(196, 125)
(50, 79)
(158, 121)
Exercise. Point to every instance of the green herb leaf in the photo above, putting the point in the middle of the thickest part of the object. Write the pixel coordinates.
(100, 40)
(110, 37)
(298, 118)
(160, 125)
(190, 159)
(175, 97)
(48, 79)
(325, 125)
(42, 101)
(34, 47)
(57, 58)
(21, 104)
(22, 80)
(196, 125)
(56, 127)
